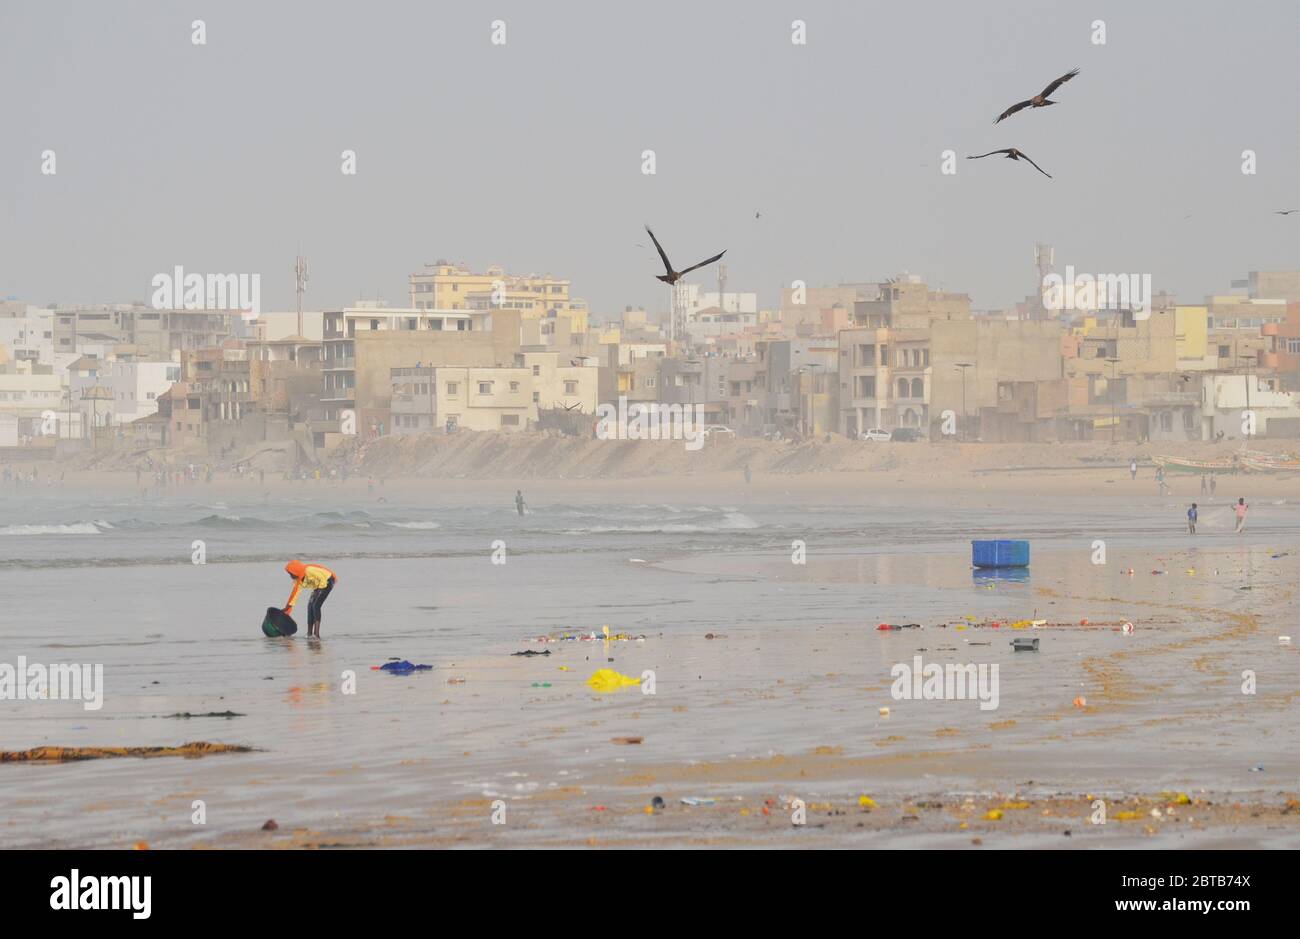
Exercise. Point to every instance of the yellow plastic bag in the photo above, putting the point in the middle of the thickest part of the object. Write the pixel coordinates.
(606, 680)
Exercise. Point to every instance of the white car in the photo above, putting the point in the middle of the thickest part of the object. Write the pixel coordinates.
(874, 434)
(719, 429)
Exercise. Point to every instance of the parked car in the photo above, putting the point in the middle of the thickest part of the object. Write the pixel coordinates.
(874, 434)
(719, 430)
(905, 434)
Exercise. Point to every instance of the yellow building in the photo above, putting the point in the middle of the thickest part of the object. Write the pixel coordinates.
(1191, 330)
(447, 286)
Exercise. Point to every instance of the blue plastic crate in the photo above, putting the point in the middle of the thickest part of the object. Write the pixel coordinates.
(999, 553)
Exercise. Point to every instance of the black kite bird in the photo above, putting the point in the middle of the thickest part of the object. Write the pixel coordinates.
(1038, 100)
(671, 276)
(1286, 212)
(1013, 154)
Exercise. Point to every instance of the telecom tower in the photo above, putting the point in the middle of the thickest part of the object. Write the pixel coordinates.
(680, 302)
(300, 276)
(1044, 256)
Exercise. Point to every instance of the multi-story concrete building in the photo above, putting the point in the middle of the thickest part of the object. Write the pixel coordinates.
(496, 398)
(448, 286)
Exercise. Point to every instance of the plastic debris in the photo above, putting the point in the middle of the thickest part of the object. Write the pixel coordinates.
(270, 825)
(626, 741)
(606, 680)
(697, 800)
(1081, 702)
(401, 667)
(1026, 644)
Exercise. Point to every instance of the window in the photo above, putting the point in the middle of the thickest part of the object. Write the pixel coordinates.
(537, 370)
(1293, 346)
(453, 389)
(514, 386)
(570, 387)
(485, 387)
(1224, 351)
(884, 355)
(509, 420)
(537, 396)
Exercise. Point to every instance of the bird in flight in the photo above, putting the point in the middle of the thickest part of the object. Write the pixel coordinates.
(671, 276)
(1013, 154)
(1286, 211)
(1038, 100)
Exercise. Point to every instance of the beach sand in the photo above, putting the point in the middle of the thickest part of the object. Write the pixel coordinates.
(783, 703)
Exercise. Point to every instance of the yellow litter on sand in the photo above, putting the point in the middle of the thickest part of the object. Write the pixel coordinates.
(993, 814)
(866, 802)
(607, 680)
(1021, 624)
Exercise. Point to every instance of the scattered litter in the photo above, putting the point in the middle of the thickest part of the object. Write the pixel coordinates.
(270, 825)
(606, 680)
(401, 667)
(1127, 628)
(1257, 768)
(1026, 644)
(626, 741)
(1284, 640)
(697, 800)
(455, 680)
(532, 652)
(657, 802)
(541, 684)
(884, 712)
(1081, 702)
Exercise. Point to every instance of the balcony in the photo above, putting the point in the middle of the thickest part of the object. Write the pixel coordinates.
(342, 363)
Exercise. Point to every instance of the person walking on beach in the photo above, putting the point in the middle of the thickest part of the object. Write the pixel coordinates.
(1133, 468)
(1160, 479)
(1205, 485)
(1191, 519)
(1214, 484)
(519, 501)
(321, 580)
(1241, 508)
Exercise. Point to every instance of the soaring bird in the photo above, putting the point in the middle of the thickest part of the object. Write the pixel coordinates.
(1013, 154)
(1039, 100)
(1286, 211)
(671, 276)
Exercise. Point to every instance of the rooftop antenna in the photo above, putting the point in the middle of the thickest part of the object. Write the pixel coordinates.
(300, 276)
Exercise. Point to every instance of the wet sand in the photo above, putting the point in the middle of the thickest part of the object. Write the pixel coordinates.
(783, 703)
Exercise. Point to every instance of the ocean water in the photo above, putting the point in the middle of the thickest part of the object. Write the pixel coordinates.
(111, 580)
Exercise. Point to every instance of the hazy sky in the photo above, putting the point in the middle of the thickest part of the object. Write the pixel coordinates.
(225, 158)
